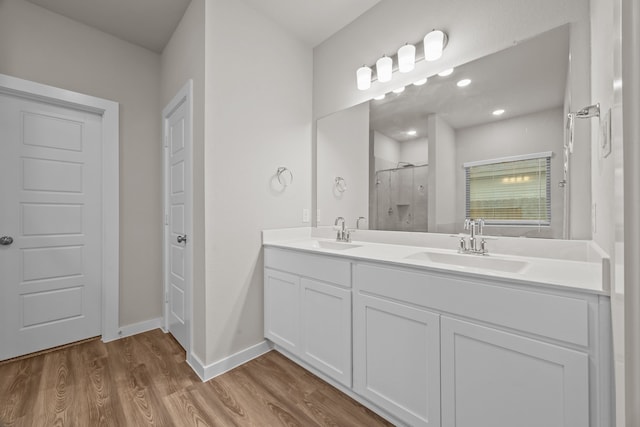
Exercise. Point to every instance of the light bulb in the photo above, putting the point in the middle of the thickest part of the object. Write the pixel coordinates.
(498, 112)
(363, 77)
(406, 58)
(380, 97)
(464, 82)
(384, 69)
(399, 90)
(434, 45)
(445, 73)
(420, 82)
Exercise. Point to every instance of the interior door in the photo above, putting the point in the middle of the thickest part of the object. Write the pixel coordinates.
(177, 137)
(50, 225)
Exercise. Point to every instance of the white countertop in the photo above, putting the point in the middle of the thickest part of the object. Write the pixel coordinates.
(588, 274)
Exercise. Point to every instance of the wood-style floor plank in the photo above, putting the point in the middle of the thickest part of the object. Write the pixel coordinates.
(144, 380)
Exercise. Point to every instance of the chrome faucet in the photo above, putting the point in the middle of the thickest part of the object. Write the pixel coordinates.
(476, 228)
(344, 235)
(360, 218)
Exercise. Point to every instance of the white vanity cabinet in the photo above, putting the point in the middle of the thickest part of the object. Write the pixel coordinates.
(308, 309)
(396, 354)
(429, 347)
(433, 348)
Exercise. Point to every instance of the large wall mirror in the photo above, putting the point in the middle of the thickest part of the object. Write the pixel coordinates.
(426, 158)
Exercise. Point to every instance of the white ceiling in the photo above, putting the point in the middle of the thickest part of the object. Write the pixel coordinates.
(147, 23)
(313, 21)
(150, 23)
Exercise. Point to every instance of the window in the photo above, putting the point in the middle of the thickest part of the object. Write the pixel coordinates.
(510, 191)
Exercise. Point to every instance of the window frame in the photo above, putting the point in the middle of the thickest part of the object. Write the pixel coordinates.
(507, 222)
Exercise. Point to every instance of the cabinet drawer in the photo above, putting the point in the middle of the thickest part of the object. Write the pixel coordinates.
(553, 316)
(320, 267)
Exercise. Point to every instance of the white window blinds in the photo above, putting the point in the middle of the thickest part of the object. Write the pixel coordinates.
(510, 192)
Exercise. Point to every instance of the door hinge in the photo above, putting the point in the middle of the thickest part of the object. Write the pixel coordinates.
(166, 142)
(166, 219)
(166, 297)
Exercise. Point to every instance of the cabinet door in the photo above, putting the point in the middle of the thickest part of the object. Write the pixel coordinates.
(492, 378)
(282, 309)
(326, 329)
(397, 359)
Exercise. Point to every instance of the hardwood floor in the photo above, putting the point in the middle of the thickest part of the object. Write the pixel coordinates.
(144, 381)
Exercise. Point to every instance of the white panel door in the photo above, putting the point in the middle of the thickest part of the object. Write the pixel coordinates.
(492, 378)
(50, 182)
(396, 359)
(326, 328)
(177, 216)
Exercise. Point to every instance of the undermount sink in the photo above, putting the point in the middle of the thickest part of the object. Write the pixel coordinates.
(485, 262)
(334, 246)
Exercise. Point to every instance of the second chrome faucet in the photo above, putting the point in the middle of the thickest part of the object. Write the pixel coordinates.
(343, 233)
(475, 228)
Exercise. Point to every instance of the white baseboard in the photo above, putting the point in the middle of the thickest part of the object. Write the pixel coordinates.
(207, 372)
(136, 328)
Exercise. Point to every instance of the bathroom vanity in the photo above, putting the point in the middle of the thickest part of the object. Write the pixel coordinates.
(429, 337)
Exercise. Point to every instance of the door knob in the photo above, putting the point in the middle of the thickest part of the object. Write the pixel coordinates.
(182, 238)
(6, 240)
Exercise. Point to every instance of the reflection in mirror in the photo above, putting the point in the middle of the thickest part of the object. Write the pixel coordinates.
(407, 156)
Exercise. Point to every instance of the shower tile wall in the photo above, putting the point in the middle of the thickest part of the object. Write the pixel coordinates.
(401, 199)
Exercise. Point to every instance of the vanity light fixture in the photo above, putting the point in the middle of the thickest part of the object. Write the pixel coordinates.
(363, 76)
(434, 44)
(420, 82)
(498, 112)
(445, 73)
(406, 58)
(384, 69)
(380, 97)
(463, 82)
(399, 90)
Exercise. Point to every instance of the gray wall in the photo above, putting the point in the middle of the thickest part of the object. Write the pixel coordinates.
(441, 175)
(258, 81)
(183, 59)
(532, 133)
(484, 27)
(343, 150)
(45, 47)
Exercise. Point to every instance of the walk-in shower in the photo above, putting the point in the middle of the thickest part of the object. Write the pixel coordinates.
(585, 113)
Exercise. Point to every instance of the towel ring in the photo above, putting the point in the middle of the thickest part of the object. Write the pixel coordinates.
(285, 176)
(341, 184)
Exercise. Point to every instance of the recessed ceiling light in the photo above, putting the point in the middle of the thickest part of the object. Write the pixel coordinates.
(464, 82)
(412, 132)
(498, 112)
(446, 72)
(399, 90)
(380, 97)
(420, 82)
